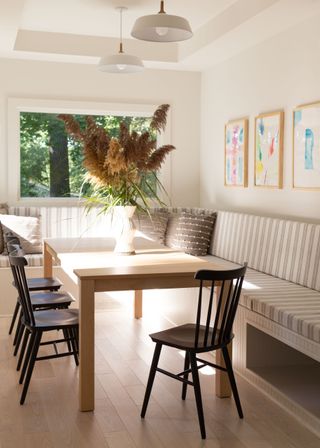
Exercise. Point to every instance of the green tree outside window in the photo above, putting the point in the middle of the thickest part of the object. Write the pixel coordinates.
(51, 161)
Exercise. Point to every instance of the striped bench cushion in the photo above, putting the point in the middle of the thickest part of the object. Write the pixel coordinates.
(292, 306)
(286, 249)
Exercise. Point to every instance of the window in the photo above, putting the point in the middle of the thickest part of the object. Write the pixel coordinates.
(51, 161)
(47, 163)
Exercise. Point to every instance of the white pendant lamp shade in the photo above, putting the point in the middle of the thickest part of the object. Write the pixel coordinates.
(162, 27)
(121, 62)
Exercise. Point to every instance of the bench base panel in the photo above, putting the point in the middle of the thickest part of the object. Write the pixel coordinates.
(279, 369)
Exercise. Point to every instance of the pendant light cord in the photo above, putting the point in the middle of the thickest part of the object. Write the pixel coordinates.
(121, 45)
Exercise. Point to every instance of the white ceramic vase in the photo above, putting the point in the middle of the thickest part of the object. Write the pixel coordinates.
(125, 229)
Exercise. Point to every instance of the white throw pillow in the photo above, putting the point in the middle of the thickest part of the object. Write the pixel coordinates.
(27, 229)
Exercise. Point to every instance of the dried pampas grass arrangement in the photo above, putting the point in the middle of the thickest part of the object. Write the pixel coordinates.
(116, 167)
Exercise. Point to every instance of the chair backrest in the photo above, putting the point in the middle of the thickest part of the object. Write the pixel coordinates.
(10, 239)
(12, 244)
(18, 262)
(225, 290)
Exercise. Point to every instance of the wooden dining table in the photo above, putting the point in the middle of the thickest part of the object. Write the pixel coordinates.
(94, 267)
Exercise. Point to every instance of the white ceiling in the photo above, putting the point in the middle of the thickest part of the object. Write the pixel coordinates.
(84, 30)
(101, 18)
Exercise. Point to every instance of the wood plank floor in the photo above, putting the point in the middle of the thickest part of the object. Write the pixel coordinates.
(50, 417)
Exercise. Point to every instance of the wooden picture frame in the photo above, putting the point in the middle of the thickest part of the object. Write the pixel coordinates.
(236, 153)
(306, 147)
(268, 150)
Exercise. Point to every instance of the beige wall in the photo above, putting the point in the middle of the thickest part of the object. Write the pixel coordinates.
(278, 74)
(49, 80)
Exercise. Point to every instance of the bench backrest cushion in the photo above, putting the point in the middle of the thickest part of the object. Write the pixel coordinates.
(286, 249)
(67, 222)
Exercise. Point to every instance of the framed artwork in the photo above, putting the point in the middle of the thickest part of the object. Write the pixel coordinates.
(236, 153)
(268, 150)
(306, 147)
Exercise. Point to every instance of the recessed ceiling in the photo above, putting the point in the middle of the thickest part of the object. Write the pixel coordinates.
(100, 17)
(81, 31)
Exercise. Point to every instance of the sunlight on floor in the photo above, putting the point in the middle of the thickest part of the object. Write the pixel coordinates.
(207, 370)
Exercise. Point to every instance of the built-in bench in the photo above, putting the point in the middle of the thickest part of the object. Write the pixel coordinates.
(75, 221)
(55, 221)
(278, 324)
(277, 344)
(60, 222)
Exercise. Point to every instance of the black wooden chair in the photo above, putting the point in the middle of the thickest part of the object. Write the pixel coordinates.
(34, 284)
(36, 323)
(41, 300)
(215, 333)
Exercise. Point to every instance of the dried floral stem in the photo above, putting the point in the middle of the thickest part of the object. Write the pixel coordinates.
(115, 166)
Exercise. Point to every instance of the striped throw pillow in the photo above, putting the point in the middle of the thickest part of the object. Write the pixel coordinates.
(153, 226)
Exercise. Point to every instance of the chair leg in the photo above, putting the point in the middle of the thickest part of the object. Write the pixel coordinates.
(232, 380)
(66, 335)
(27, 358)
(18, 327)
(23, 348)
(19, 339)
(197, 393)
(14, 317)
(185, 376)
(33, 357)
(76, 338)
(74, 346)
(152, 374)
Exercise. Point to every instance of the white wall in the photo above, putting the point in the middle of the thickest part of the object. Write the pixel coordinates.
(49, 80)
(281, 73)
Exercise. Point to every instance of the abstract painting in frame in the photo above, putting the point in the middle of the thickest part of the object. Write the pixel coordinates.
(269, 150)
(306, 146)
(236, 153)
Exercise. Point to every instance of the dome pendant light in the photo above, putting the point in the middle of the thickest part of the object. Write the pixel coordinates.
(121, 62)
(162, 27)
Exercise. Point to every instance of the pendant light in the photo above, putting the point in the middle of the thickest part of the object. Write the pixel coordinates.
(121, 62)
(162, 27)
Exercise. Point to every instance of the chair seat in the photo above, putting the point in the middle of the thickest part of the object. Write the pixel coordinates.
(43, 299)
(40, 283)
(183, 337)
(56, 318)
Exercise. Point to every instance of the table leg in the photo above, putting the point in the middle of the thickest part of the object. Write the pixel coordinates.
(47, 261)
(138, 304)
(223, 388)
(86, 351)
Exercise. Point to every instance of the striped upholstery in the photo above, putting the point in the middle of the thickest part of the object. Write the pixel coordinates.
(290, 305)
(33, 260)
(62, 222)
(286, 249)
(73, 221)
(67, 221)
